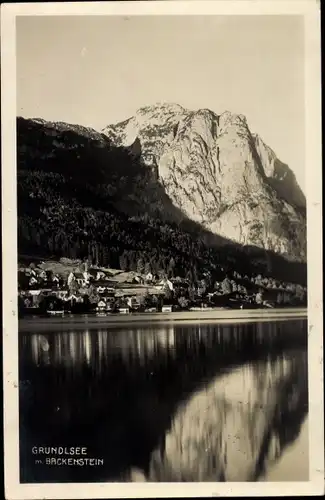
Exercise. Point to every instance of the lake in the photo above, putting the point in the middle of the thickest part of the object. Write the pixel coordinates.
(164, 402)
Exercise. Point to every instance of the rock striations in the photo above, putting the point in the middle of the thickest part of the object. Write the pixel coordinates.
(220, 175)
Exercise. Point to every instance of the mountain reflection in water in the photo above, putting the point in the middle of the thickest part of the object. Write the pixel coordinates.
(171, 402)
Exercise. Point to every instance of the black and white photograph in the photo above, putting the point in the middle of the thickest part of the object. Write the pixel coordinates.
(161, 249)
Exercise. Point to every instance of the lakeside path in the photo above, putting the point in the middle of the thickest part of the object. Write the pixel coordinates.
(186, 317)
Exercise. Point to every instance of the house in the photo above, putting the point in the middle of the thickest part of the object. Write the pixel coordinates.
(96, 274)
(33, 281)
(80, 278)
(62, 294)
(149, 277)
(34, 292)
(167, 309)
(136, 279)
(105, 305)
(92, 273)
(104, 286)
(133, 302)
(30, 272)
(47, 291)
(124, 310)
(42, 274)
(74, 299)
(109, 305)
(180, 282)
(56, 280)
(70, 278)
(165, 283)
(34, 296)
(101, 306)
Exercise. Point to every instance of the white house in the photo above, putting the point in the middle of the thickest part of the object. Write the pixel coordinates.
(124, 310)
(42, 274)
(81, 278)
(167, 309)
(103, 286)
(74, 298)
(149, 277)
(32, 281)
(34, 296)
(165, 283)
(61, 294)
(30, 272)
(101, 306)
(132, 302)
(96, 274)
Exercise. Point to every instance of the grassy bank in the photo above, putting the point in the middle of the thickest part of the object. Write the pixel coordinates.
(211, 316)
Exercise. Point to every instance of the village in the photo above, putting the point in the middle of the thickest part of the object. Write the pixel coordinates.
(75, 287)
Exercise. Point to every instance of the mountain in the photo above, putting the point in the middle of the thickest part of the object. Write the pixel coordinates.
(220, 175)
(83, 194)
(80, 196)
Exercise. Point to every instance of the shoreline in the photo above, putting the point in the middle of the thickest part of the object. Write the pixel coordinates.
(186, 317)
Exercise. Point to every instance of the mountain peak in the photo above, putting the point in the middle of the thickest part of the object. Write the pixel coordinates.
(169, 107)
(221, 175)
(206, 111)
(228, 118)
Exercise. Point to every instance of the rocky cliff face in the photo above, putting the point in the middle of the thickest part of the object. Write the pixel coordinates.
(220, 175)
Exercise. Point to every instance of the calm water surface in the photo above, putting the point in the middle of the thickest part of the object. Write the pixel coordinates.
(198, 402)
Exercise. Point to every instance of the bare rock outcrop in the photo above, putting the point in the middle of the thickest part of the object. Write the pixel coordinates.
(220, 174)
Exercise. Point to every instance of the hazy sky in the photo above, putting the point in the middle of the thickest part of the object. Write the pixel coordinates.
(98, 70)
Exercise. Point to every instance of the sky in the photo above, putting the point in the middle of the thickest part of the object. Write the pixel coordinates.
(97, 70)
